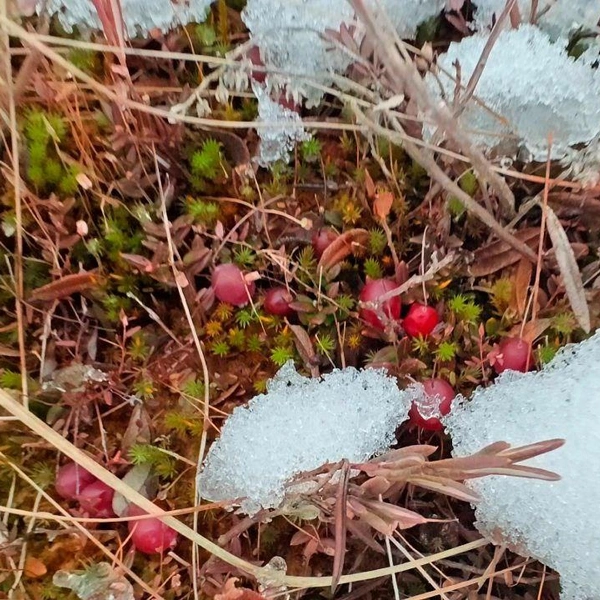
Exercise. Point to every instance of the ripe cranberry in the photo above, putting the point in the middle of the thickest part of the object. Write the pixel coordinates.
(255, 58)
(438, 400)
(371, 292)
(71, 480)
(511, 354)
(96, 500)
(277, 302)
(322, 239)
(420, 320)
(230, 286)
(286, 102)
(150, 536)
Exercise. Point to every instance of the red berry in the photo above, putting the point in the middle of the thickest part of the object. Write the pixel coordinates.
(150, 536)
(96, 500)
(511, 354)
(420, 320)
(255, 58)
(438, 400)
(71, 480)
(230, 286)
(322, 239)
(371, 292)
(277, 302)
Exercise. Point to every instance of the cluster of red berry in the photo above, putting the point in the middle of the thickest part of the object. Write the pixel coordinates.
(95, 499)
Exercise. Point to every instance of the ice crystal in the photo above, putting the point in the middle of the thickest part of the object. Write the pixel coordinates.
(299, 425)
(291, 36)
(284, 128)
(532, 85)
(139, 16)
(555, 522)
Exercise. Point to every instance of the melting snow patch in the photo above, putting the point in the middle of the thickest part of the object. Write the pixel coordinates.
(140, 16)
(532, 84)
(555, 522)
(299, 425)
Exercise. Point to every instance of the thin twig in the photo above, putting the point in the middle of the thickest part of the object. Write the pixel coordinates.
(406, 76)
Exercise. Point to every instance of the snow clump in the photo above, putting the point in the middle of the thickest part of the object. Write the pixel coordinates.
(532, 84)
(139, 16)
(297, 426)
(554, 522)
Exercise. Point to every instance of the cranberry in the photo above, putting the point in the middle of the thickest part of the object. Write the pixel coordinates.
(150, 536)
(230, 286)
(71, 480)
(322, 239)
(438, 400)
(420, 320)
(277, 302)
(255, 58)
(511, 354)
(96, 500)
(371, 292)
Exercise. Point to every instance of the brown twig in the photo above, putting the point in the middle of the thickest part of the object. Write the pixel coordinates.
(404, 74)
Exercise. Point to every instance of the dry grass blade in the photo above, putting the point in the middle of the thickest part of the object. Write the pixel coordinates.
(568, 269)
(340, 526)
(526, 452)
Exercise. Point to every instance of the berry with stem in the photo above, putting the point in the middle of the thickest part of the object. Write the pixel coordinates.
(371, 292)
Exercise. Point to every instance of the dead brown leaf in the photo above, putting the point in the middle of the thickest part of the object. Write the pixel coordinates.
(569, 270)
(66, 286)
(522, 281)
(345, 244)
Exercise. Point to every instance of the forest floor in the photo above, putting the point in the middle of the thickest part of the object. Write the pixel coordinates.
(130, 342)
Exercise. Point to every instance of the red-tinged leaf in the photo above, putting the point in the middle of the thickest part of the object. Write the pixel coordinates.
(447, 487)
(344, 245)
(407, 517)
(383, 204)
(375, 486)
(378, 523)
(141, 263)
(519, 471)
(530, 451)
(363, 533)
(340, 525)
(66, 286)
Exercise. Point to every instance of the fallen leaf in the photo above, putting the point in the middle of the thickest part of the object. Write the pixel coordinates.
(522, 281)
(34, 567)
(498, 255)
(344, 245)
(65, 286)
(568, 269)
(369, 185)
